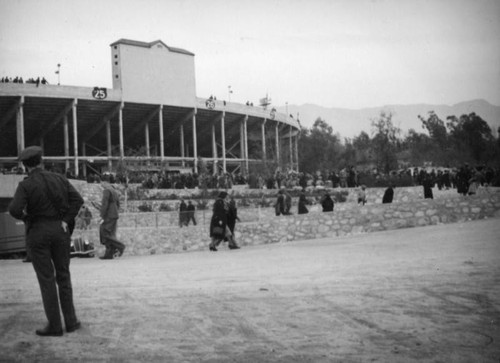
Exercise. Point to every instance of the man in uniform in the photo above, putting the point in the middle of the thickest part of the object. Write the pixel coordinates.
(48, 204)
(110, 205)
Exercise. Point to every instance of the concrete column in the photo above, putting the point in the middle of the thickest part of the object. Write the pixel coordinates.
(214, 150)
(223, 138)
(120, 127)
(195, 144)
(297, 152)
(263, 131)
(66, 142)
(182, 143)
(84, 153)
(108, 142)
(146, 136)
(162, 140)
(277, 145)
(20, 127)
(245, 137)
(75, 137)
(242, 146)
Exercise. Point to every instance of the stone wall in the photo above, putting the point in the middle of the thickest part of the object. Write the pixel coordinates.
(158, 233)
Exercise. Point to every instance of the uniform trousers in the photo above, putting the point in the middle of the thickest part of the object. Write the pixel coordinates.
(50, 250)
(107, 236)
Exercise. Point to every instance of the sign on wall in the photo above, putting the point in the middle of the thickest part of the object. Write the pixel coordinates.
(99, 93)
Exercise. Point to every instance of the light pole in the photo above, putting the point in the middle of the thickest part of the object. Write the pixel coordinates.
(58, 72)
(229, 91)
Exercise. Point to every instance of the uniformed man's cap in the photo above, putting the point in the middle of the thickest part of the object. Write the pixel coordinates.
(30, 152)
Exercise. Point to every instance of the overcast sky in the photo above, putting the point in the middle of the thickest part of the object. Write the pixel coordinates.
(348, 54)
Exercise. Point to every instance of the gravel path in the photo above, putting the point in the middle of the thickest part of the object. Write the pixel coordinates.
(428, 294)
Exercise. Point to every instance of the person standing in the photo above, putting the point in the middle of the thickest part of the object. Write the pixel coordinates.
(182, 213)
(362, 195)
(302, 207)
(428, 183)
(48, 205)
(190, 212)
(327, 203)
(219, 229)
(388, 195)
(279, 207)
(109, 210)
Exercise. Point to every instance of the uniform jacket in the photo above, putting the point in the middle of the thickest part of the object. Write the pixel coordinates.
(32, 202)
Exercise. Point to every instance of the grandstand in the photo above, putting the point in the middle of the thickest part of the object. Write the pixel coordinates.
(151, 118)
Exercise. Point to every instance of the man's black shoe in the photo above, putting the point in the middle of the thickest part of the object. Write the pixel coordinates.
(212, 248)
(71, 329)
(47, 332)
(234, 247)
(106, 258)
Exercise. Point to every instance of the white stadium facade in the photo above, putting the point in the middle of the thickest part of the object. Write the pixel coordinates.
(151, 118)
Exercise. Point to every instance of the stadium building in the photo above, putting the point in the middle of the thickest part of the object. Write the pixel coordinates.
(151, 118)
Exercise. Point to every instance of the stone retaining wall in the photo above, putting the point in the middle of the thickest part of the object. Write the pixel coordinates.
(158, 233)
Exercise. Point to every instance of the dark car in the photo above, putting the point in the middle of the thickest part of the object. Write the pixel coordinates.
(12, 231)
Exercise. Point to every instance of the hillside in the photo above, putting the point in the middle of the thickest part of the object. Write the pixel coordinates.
(349, 123)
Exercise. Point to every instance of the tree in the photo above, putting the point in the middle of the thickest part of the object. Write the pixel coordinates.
(472, 133)
(385, 142)
(319, 148)
(362, 145)
(436, 128)
(418, 146)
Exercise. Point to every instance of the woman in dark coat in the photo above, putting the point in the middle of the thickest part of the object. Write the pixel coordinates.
(428, 183)
(219, 228)
(388, 195)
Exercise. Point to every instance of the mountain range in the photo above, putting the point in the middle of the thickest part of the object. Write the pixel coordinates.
(349, 123)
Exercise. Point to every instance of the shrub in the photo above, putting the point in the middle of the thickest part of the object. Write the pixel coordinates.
(201, 205)
(244, 202)
(145, 207)
(265, 202)
(164, 207)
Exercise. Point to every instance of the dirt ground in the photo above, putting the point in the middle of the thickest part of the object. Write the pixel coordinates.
(428, 294)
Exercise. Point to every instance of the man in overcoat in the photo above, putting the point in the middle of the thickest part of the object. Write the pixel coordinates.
(109, 211)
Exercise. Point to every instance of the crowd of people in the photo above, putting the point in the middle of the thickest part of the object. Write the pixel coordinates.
(443, 178)
(17, 79)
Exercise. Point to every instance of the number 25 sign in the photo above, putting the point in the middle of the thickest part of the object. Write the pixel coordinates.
(99, 93)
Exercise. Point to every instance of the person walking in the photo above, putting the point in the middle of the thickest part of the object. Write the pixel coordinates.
(48, 205)
(109, 211)
(219, 229)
